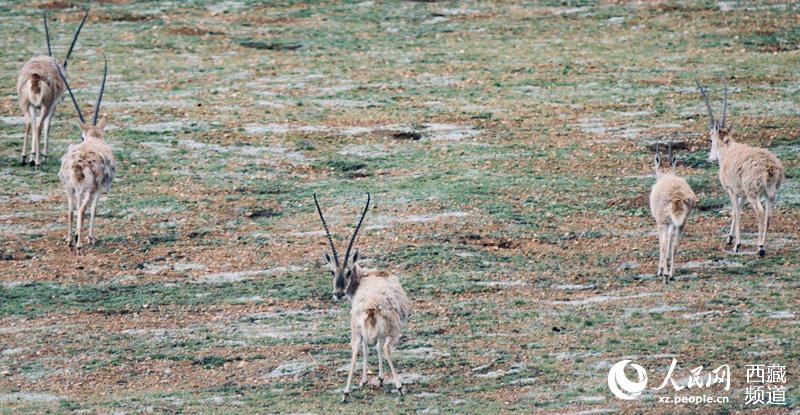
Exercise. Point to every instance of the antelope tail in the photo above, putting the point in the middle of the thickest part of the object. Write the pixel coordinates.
(678, 213)
(77, 168)
(34, 80)
(370, 322)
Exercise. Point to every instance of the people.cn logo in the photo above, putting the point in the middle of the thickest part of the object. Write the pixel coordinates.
(621, 386)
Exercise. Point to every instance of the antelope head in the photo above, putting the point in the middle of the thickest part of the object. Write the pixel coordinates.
(93, 131)
(345, 273)
(660, 169)
(719, 132)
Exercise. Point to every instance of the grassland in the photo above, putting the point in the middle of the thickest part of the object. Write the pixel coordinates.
(507, 147)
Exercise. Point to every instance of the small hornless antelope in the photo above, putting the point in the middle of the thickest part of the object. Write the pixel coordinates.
(87, 169)
(379, 306)
(671, 202)
(39, 87)
(746, 173)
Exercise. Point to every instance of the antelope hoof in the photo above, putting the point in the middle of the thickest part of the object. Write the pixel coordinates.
(23, 160)
(401, 391)
(31, 162)
(729, 240)
(345, 397)
(736, 248)
(660, 272)
(92, 240)
(362, 383)
(761, 252)
(666, 279)
(380, 383)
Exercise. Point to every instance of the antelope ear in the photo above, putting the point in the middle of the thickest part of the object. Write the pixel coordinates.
(83, 126)
(355, 257)
(102, 124)
(672, 161)
(327, 257)
(657, 160)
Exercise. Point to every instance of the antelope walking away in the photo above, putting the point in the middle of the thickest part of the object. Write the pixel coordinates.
(400, 207)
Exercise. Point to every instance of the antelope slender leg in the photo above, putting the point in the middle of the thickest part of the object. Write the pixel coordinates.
(761, 220)
(735, 203)
(660, 245)
(84, 202)
(770, 207)
(71, 214)
(34, 135)
(91, 217)
(667, 249)
(675, 232)
(663, 246)
(364, 350)
(38, 135)
(353, 360)
(387, 350)
(50, 112)
(380, 362)
(26, 135)
(737, 217)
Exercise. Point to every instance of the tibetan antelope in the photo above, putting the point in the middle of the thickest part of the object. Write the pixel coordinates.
(379, 306)
(40, 87)
(671, 202)
(747, 173)
(87, 169)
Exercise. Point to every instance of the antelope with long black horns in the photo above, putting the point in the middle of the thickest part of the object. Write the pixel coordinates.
(747, 174)
(88, 168)
(40, 87)
(379, 310)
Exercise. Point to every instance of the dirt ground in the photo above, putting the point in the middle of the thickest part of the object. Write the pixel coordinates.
(508, 150)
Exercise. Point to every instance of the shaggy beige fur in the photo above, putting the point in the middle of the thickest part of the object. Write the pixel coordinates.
(671, 202)
(747, 174)
(87, 170)
(379, 310)
(39, 87)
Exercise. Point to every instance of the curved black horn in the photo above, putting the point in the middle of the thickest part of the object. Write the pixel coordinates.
(74, 101)
(708, 104)
(725, 107)
(355, 232)
(47, 33)
(327, 232)
(75, 39)
(102, 88)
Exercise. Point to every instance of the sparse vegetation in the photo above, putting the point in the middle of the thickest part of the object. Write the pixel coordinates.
(507, 149)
